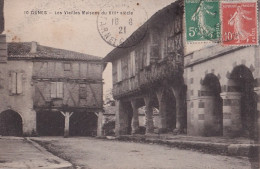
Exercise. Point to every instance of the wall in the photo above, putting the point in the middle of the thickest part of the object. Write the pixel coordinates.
(83, 77)
(217, 60)
(23, 103)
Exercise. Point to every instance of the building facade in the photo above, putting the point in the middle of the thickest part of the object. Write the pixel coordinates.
(48, 91)
(209, 92)
(150, 74)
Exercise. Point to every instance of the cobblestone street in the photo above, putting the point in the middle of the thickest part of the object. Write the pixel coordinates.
(109, 154)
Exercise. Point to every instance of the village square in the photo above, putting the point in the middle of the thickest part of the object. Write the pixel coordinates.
(173, 85)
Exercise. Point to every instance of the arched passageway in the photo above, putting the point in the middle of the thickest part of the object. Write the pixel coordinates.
(242, 80)
(170, 109)
(211, 118)
(10, 123)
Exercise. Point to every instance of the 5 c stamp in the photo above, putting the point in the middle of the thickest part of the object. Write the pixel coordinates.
(202, 20)
(239, 23)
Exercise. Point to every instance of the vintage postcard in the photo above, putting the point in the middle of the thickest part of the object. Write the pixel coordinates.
(140, 84)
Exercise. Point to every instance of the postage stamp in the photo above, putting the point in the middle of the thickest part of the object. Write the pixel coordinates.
(239, 23)
(202, 20)
(116, 22)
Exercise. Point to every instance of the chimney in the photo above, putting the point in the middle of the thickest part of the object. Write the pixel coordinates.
(33, 47)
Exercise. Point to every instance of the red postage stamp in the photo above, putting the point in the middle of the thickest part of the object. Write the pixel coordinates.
(239, 23)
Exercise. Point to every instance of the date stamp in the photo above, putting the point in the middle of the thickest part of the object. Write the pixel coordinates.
(202, 20)
(239, 23)
(116, 22)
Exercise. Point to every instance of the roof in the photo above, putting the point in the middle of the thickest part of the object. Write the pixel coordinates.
(22, 50)
(155, 20)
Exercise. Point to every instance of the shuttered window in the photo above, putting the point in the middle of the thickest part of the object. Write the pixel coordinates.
(16, 83)
(67, 66)
(119, 71)
(132, 64)
(56, 89)
(82, 91)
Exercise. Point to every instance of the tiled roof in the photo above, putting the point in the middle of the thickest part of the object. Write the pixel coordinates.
(22, 50)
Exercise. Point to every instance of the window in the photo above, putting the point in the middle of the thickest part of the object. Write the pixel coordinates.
(56, 89)
(119, 71)
(67, 66)
(82, 92)
(132, 64)
(16, 83)
(154, 45)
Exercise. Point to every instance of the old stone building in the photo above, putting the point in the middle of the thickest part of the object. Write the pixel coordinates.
(48, 91)
(209, 92)
(150, 74)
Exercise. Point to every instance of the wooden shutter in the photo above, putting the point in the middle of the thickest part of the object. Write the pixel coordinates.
(19, 83)
(13, 82)
(53, 89)
(119, 71)
(148, 56)
(133, 63)
(154, 47)
(129, 66)
(59, 89)
(144, 55)
(114, 70)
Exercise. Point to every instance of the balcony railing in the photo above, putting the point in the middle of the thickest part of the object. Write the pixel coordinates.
(166, 69)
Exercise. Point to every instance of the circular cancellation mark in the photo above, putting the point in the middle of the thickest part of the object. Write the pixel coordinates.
(117, 22)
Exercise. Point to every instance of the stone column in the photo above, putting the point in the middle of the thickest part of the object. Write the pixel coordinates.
(135, 119)
(180, 114)
(232, 124)
(67, 116)
(121, 127)
(149, 115)
(257, 91)
(162, 111)
(100, 131)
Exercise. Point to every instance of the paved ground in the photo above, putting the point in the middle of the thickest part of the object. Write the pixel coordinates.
(105, 154)
(20, 153)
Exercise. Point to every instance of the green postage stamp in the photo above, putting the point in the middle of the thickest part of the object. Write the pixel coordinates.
(202, 20)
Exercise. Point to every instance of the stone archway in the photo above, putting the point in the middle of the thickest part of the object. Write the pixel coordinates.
(242, 80)
(11, 123)
(167, 110)
(210, 105)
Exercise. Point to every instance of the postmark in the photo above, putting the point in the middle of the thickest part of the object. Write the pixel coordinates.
(239, 23)
(116, 22)
(202, 20)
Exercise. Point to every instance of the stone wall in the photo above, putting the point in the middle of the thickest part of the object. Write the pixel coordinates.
(20, 103)
(219, 62)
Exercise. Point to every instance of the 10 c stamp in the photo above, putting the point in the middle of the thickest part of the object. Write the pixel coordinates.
(202, 20)
(239, 23)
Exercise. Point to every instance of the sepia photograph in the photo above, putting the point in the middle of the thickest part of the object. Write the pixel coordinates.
(129, 84)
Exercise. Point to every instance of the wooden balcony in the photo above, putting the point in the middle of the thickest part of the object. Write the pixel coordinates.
(148, 77)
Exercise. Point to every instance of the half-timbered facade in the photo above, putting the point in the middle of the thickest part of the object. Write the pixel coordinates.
(53, 90)
(150, 74)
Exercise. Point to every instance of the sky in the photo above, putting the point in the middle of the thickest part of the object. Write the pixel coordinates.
(72, 32)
